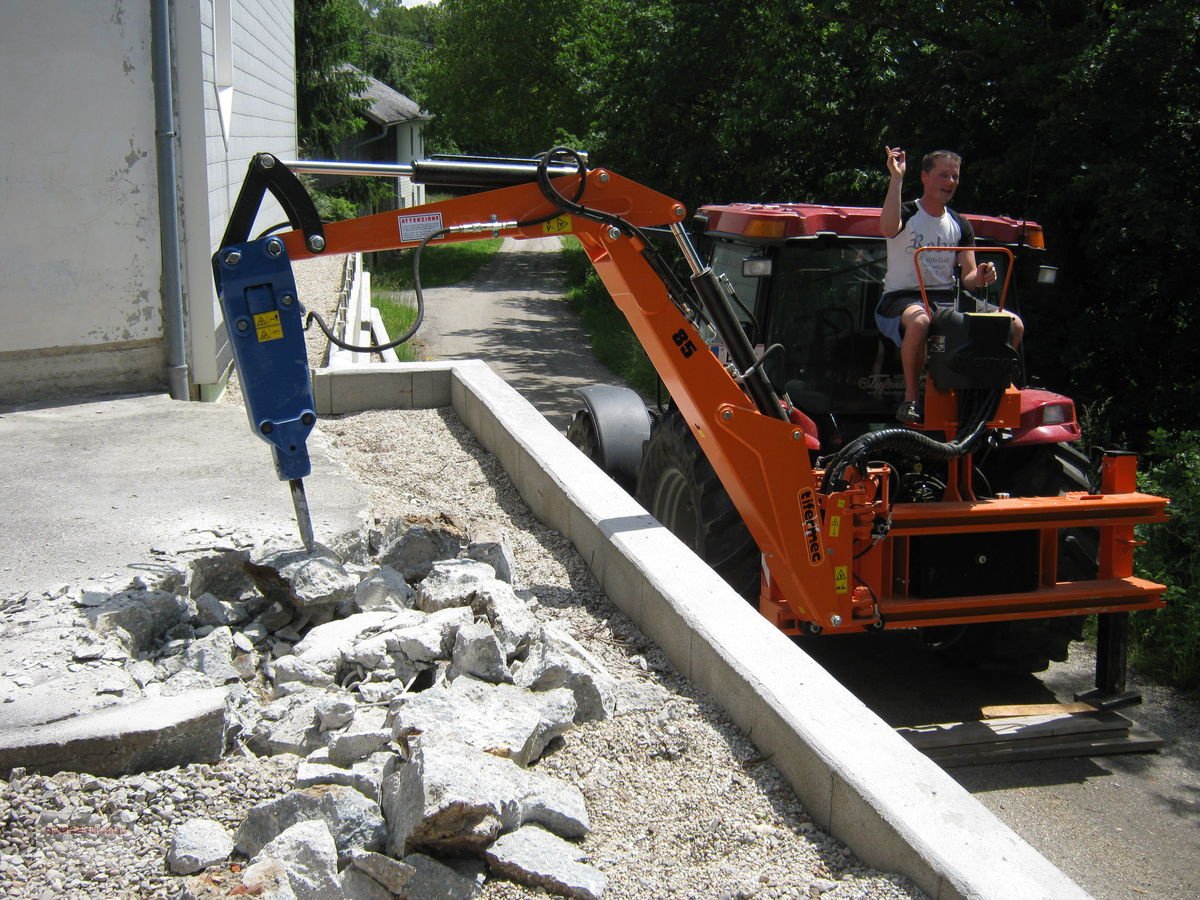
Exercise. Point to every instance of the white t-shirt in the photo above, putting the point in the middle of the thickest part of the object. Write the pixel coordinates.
(919, 229)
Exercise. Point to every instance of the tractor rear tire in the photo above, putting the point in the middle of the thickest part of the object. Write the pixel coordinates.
(1029, 645)
(677, 485)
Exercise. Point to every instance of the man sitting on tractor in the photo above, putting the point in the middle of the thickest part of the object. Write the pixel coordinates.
(926, 222)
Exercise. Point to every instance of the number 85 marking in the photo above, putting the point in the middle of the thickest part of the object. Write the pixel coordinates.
(684, 343)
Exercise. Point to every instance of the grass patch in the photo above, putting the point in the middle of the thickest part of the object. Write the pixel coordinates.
(440, 265)
(397, 319)
(611, 338)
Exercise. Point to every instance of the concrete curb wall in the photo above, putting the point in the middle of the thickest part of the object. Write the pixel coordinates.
(860, 781)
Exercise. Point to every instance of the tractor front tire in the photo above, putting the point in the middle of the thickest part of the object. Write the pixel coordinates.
(582, 433)
(677, 485)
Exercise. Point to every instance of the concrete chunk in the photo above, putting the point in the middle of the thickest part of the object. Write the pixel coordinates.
(453, 799)
(500, 719)
(366, 775)
(509, 615)
(433, 880)
(267, 879)
(302, 580)
(156, 733)
(198, 844)
(384, 589)
(138, 618)
(433, 639)
(477, 653)
(308, 854)
(533, 856)
(558, 660)
(392, 874)
(490, 549)
(353, 820)
(452, 582)
(410, 547)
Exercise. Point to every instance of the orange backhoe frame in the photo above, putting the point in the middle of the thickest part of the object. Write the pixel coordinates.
(825, 566)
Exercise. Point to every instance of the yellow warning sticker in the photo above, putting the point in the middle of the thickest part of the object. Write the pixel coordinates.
(267, 326)
(557, 225)
(841, 579)
(835, 526)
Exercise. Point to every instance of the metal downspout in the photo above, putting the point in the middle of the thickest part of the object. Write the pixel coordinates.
(168, 200)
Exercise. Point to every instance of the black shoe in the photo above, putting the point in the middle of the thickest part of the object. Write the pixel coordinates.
(909, 412)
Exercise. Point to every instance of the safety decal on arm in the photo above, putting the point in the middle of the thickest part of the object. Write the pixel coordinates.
(419, 227)
(267, 326)
(557, 225)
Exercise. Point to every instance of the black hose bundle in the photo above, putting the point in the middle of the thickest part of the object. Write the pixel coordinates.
(980, 407)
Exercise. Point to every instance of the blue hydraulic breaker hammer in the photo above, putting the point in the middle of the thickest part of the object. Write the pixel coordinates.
(263, 315)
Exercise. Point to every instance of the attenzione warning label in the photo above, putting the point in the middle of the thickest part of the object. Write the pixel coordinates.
(417, 228)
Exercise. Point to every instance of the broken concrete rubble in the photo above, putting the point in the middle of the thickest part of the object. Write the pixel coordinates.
(411, 548)
(397, 695)
(353, 819)
(558, 660)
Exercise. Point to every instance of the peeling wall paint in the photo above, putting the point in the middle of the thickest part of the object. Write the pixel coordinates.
(78, 241)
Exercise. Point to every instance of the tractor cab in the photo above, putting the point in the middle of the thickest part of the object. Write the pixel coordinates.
(808, 278)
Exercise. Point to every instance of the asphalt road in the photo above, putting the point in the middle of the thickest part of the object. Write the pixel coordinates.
(1123, 826)
(514, 318)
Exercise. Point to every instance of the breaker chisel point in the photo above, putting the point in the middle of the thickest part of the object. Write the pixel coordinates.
(303, 519)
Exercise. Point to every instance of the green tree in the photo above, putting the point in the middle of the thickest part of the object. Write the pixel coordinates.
(397, 44)
(500, 83)
(328, 91)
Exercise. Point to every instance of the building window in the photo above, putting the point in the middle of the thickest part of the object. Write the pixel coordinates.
(223, 63)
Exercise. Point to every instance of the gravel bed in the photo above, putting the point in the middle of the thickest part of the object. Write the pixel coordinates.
(681, 802)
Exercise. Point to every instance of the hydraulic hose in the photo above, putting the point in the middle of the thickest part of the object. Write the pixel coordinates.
(981, 407)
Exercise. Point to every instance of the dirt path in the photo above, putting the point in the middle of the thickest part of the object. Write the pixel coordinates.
(513, 316)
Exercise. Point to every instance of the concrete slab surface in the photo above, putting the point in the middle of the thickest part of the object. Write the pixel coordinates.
(101, 486)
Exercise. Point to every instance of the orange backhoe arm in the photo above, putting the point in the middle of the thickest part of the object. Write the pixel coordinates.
(761, 460)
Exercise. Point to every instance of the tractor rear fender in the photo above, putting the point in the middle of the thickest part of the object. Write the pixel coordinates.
(1046, 418)
(622, 425)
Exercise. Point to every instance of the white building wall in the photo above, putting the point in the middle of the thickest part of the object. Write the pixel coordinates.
(80, 297)
(79, 225)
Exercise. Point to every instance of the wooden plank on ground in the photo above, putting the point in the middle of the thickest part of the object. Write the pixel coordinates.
(1137, 740)
(1034, 709)
(1012, 729)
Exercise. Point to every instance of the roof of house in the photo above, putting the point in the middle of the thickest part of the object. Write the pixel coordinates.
(389, 106)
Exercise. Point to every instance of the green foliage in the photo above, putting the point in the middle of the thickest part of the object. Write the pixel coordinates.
(1166, 643)
(1080, 114)
(397, 43)
(609, 333)
(332, 208)
(502, 80)
(328, 37)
